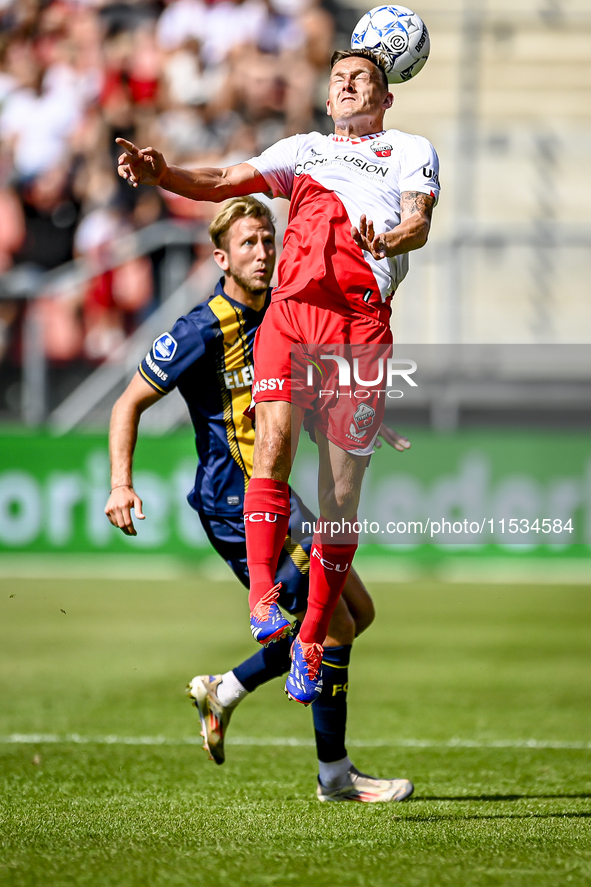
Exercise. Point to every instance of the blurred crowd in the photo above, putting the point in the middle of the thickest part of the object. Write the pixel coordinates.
(208, 82)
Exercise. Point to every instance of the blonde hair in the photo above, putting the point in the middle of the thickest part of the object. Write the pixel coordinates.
(237, 208)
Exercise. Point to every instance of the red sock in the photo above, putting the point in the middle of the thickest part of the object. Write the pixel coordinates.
(329, 567)
(266, 520)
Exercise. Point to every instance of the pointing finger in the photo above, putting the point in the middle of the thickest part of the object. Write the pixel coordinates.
(128, 146)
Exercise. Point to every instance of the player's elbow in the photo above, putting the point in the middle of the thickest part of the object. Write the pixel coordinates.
(118, 408)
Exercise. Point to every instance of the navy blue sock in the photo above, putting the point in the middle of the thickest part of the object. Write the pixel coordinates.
(268, 663)
(330, 709)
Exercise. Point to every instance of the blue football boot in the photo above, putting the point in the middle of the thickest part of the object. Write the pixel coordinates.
(304, 681)
(267, 622)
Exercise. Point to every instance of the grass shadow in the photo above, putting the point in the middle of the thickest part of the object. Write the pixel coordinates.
(585, 814)
(499, 797)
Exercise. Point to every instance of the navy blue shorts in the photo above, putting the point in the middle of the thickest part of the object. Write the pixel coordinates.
(227, 536)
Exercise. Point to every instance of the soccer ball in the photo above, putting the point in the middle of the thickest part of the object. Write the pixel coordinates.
(397, 36)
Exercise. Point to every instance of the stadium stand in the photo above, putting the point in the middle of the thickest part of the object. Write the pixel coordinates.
(85, 261)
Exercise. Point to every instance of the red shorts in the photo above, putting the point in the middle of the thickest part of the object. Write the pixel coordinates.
(330, 364)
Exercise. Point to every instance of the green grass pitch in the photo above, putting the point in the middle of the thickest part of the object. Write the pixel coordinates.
(446, 688)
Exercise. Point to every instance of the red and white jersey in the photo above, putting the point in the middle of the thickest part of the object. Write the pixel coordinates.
(332, 181)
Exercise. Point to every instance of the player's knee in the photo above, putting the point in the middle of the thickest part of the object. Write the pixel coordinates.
(346, 498)
(339, 502)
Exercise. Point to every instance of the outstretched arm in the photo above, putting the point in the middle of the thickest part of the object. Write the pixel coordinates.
(416, 210)
(147, 166)
(125, 418)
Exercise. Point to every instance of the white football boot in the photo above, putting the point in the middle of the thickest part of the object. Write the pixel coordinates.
(214, 716)
(360, 787)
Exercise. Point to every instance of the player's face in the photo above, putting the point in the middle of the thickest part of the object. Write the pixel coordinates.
(356, 89)
(250, 254)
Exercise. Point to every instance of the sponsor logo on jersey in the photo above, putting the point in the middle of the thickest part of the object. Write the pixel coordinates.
(233, 500)
(268, 385)
(351, 159)
(164, 347)
(239, 378)
(430, 174)
(381, 149)
(155, 368)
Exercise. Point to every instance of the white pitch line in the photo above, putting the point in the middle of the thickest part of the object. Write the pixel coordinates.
(289, 741)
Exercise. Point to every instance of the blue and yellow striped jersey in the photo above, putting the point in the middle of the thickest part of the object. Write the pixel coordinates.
(207, 355)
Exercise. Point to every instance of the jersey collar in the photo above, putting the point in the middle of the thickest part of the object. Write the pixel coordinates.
(220, 291)
(367, 138)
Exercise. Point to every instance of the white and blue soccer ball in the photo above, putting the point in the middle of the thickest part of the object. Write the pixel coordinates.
(397, 36)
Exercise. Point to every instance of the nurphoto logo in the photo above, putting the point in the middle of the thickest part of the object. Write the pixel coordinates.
(351, 372)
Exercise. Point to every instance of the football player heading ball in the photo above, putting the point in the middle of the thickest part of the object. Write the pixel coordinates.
(207, 355)
(354, 217)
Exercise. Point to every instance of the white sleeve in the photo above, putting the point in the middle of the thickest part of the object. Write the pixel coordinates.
(419, 168)
(277, 165)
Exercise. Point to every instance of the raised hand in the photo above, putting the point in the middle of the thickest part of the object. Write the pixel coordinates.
(366, 238)
(140, 166)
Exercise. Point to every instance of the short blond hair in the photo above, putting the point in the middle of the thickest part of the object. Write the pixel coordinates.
(237, 208)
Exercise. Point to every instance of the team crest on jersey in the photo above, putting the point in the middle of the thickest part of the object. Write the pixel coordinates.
(381, 149)
(362, 420)
(164, 347)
